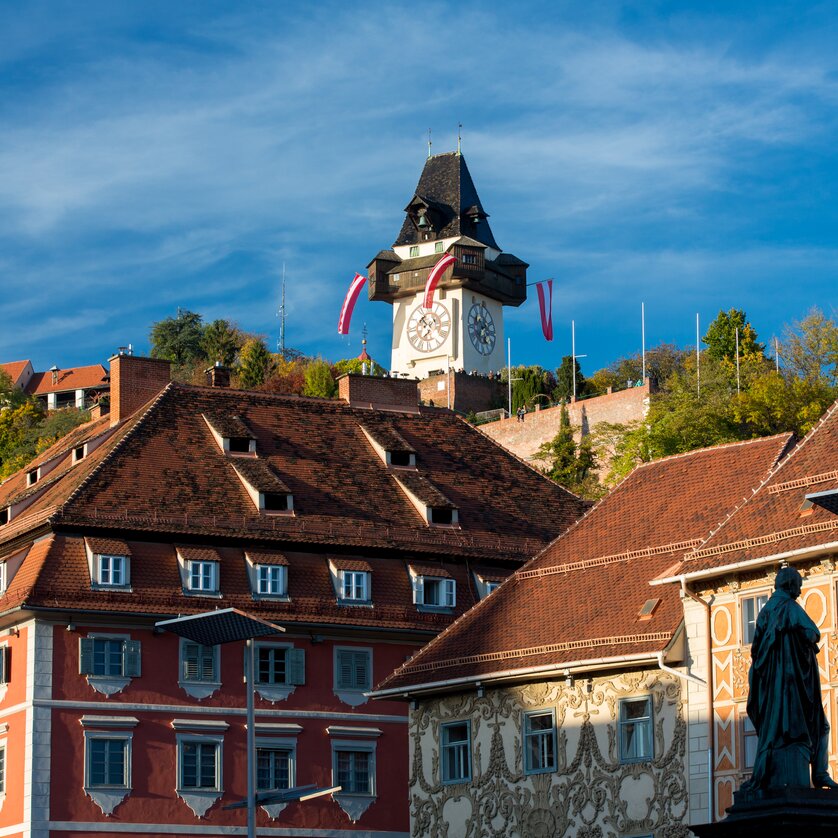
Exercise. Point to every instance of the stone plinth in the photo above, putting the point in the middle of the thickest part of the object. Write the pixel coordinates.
(804, 813)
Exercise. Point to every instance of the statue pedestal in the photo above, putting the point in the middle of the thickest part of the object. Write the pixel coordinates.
(812, 813)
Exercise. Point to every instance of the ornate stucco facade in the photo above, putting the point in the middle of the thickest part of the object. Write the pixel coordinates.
(591, 794)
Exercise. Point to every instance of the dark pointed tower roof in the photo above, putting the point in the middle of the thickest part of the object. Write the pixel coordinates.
(446, 189)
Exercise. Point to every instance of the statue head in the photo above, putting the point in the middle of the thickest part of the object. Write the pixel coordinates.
(789, 580)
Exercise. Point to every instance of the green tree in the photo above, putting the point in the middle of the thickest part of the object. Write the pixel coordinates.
(355, 365)
(721, 337)
(221, 341)
(256, 364)
(568, 464)
(810, 347)
(319, 381)
(10, 395)
(564, 380)
(178, 339)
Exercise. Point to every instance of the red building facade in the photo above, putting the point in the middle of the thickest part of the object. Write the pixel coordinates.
(362, 526)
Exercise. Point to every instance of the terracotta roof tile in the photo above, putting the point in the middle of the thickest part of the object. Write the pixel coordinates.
(259, 474)
(74, 378)
(579, 600)
(267, 557)
(108, 546)
(14, 369)
(429, 570)
(422, 488)
(228, 426)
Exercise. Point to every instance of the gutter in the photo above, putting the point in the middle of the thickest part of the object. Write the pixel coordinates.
(562, 670)
(801, 553)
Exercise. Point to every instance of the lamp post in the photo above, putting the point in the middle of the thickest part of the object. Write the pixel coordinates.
(229, 625)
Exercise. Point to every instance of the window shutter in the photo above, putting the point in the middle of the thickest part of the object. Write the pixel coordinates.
(418, 590)
(344, 670)
(5, 664)
(450, 593)
(207, 672)
(295, 660)
(131, 658)
(85, 656)
(362, 670)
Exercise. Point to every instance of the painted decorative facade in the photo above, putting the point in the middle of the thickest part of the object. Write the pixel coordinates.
(592, 793)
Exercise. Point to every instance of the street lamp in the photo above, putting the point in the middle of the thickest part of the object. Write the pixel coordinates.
(229, 625)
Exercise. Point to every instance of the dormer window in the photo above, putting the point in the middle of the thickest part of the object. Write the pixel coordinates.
(433, 587)
(430, 503)
(403, 459)
(277, 502)
(352, 579)
(112, 571)
(79, 453)
(414, 250)
(4, 580)
(391, 447)
(109, 562)
(241, 445)
(202, 577)
(486, 581)
(32, 477)
(268, 572)
(442, 515)
(4, 515)
(199, 571)
(268, 493)
(354, 585)
(231, 434)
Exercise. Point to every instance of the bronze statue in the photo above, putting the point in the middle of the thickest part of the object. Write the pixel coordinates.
(784, 702)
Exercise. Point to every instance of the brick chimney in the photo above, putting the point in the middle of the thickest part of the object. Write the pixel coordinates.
(218, 375)
(134, 381)
(382, 393)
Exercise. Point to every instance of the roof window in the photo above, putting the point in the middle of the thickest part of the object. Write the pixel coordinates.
(4, 515)
(79, 453)
(442, 515)
(268, 573)
(268, 493)
(352, 579)
(429, 502)
(433, 587)
(32, 477)
(277, 502)
(391, 447)
(648, 609)
(199, 571)
(231, 434)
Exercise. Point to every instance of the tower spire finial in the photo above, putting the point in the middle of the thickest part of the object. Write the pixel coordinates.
(459, 137)
(430, 142)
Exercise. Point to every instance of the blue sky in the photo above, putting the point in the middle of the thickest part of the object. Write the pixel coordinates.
(157, 154)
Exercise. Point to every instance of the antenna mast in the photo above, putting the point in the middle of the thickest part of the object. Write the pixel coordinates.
(281, 315)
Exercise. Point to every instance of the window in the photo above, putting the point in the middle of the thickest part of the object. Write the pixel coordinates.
(469, 259)
(277, 502)
(354, 585)
(107, 762)
(749, 743)
(4, 515)
(199, 764)
(635, 729)
(32, 477)
(438, 247)
(491, 586)
(414, 250)
(273, 768)
(354, 771)
(442, 515)
(539, 742)
(279, 665)
(353, 669)
(2, 769)
(203, 576)
(751, 606)
(456, 752)
(435, 592)
(198, 663)
(112, 571)
(403, 459)
(5, 665)
(3, 579)
(109, 657)
(78, 453)
(271, 580)
(239, 445)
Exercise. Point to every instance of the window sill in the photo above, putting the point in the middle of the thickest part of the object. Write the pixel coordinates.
(108, 685)
(354, 804)
(355, 603)
(205, 594)
(354, 698)
(107, 798)
(199, 800)
(257, 597)
(274, 692)
(435, 609)
(199, 689)
(122, 589)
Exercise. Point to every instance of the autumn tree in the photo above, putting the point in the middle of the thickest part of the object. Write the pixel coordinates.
(564, 380)
(319, 381)
(178, 339)
(256, 364)
(721, 337)
(810, 347)
(221, 341)
(568, 464)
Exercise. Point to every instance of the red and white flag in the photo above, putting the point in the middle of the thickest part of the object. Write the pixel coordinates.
(545, 305)
(349, 304)
(436, 274)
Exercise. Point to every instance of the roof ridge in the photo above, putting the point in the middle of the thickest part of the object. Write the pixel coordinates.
(714, 448)
(139, 420)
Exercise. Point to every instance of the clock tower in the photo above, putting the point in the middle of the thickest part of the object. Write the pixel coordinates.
(464, 328)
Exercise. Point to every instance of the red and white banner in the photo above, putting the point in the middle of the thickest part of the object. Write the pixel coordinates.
(545, 305)
(349, 304)
(436, 274)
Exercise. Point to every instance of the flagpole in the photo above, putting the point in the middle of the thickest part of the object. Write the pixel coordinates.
(737, 359)
(643, 336)
(573, 355)
(697, 359)
(509, 373)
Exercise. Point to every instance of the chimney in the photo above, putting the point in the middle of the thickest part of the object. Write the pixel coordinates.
(134, 381)
(218, 375)
(381, 393)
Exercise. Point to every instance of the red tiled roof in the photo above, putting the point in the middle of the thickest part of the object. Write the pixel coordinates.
(74, 378)
(580, 599)
(108, 546)
(771, 523)
(14, 369)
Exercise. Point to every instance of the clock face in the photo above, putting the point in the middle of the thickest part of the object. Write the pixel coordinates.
(427, 329)
(481, 329)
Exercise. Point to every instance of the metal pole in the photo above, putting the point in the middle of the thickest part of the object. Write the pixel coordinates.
(573, 355)
(251, 740)
(448, 378)
(697, 358)
(776, 355)
(737, 359)
(643, 336)
(509, 373)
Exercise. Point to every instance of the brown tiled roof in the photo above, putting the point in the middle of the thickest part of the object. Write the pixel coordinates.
(267, 557)
(387, 436)
(340, 563)
(580, 599)
(228, 426)
(259, 475)
(419, 485)
(108, 546)
(429, 570)
(771, 523)
(198, 554)
(74, 378)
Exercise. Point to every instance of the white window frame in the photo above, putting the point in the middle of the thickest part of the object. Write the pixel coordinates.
(270, 569)
(108, 796)
(4, 770)
(463, 748)
(198, 687)
(4, 577)
(446, 587)
(349, 582)
(541, 736)
(355, 803)
(200, 798)
(414, 251)
(101, 571)
(199, 565)
(645, 723)
(352, 695)
(749, 736)
(748, 627)
(276, 691)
